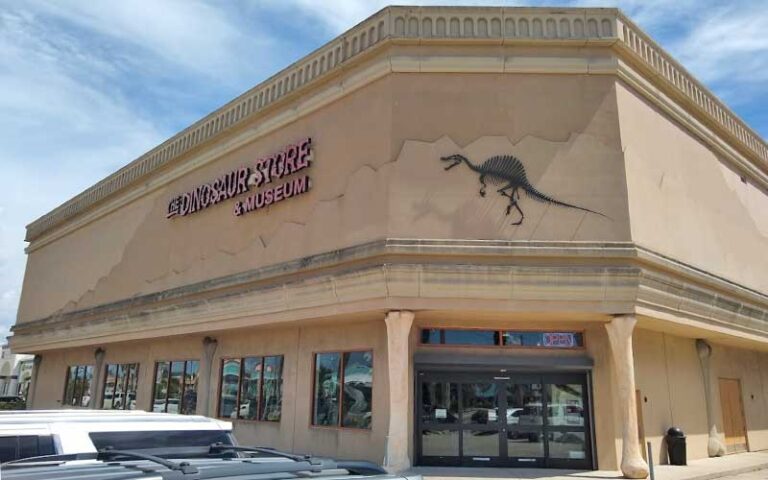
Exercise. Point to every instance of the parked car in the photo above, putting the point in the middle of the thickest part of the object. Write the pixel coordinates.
(130, 465)
(513, 415)
(32, 433)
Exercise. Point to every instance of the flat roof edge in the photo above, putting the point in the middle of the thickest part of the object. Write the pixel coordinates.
(532, 24)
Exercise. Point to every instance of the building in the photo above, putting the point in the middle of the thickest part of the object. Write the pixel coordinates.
(457, 236)
(15, 373)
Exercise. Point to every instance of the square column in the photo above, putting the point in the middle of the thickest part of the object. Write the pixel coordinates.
(399, 324)
(620, 337)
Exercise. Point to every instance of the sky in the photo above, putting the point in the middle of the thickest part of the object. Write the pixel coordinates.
(88, 86)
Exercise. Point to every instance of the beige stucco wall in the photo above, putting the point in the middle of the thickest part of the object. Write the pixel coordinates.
(687, 203)
(376, 174)
(751, 368)
(671, 385)
(297, 344)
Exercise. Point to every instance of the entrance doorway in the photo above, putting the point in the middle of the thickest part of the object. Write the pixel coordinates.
(733, 415)
(503, 420)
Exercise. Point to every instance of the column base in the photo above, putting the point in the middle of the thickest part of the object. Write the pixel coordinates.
(636, 468)
(715, 447)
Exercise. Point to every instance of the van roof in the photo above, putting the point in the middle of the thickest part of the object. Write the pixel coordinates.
(28, 418)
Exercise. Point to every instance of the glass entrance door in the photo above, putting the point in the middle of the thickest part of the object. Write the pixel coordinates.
(517, 420)
(524, 431)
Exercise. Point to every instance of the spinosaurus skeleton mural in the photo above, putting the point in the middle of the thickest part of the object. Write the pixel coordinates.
(508, 171)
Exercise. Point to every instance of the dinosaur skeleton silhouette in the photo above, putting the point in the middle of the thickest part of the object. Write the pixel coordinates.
(508, 171)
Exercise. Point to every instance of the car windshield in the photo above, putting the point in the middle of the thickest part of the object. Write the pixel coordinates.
(159, 440)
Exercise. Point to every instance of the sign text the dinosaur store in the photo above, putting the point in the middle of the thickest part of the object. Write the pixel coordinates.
(264, 172)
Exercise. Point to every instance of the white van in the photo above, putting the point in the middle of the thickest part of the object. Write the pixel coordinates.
(31, 433)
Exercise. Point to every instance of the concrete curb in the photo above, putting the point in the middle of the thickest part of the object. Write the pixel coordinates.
(731, 472)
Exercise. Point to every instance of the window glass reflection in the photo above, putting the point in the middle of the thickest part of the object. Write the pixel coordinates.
(430, 336)
(471, 337)
(174, 387)
(440, 443)
(358, 385)
(480, 403)
(543, 339)
(69, 393)
(570, 445)
(131, 386)
(109, 387)
(566, 405)
(525, 444)
(250, 388)
(272, 397)
(481, 443)
(119, 387)
(189, 397)
(326, 398)
(524, 404)
(229, 383)
(162, 370)
(83, 386)
(439, 402)
(120, 382)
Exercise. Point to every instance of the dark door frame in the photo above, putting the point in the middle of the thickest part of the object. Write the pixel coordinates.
(502, 378)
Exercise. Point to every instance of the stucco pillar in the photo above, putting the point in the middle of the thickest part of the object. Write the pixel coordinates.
(620, 337)
(206, 371)
(33, 381)
(98, 377)
(399, 324)
(715, 447)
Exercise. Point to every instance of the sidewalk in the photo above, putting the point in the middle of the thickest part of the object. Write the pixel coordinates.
(705, 469)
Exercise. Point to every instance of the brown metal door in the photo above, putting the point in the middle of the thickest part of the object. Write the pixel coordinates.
(733, 415)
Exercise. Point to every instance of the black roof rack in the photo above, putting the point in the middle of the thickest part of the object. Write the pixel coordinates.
(130, 465)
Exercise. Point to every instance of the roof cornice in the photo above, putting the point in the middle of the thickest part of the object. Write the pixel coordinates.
(422, 25)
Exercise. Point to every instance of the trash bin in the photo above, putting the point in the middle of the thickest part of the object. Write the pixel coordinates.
(676, 446)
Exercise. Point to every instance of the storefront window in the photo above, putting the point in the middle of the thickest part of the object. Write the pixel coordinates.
(544, 339)
(252, 388)
(347, 376)
(78, 386)
(358, 386)
(176, 387)
(446, 336)
(120, 387)
(272, 397)
(326, 405)
(471, 337)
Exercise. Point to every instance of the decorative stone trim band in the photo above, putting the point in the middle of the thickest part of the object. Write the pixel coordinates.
(542, 26)
(621, 272)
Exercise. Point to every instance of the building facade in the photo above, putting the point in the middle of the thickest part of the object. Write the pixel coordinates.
(451, 236)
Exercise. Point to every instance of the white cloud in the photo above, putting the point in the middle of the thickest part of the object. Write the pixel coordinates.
(730, 44)
(205, 38)
(86, 87)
